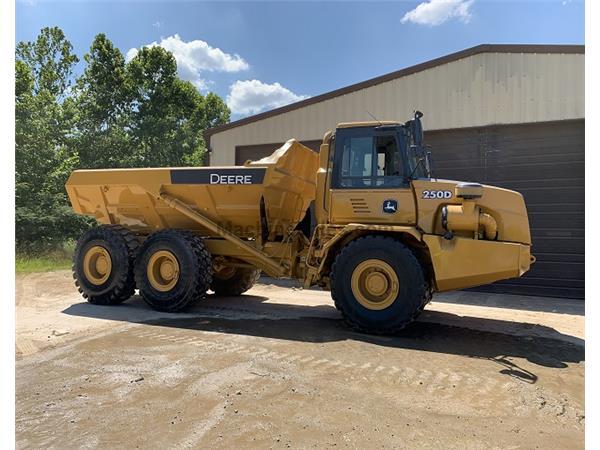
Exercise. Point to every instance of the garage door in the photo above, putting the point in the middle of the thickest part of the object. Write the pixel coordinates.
(545, 162)
(244, 153)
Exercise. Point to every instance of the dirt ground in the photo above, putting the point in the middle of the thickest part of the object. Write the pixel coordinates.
(277, 368)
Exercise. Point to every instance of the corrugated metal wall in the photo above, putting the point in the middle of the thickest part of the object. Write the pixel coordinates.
(545, 162)
(483, 89)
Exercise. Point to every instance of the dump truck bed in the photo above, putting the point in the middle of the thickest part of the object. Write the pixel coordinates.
(284, 183)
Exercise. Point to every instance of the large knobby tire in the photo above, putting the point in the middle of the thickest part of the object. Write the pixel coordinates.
(378, 285)
(103, 264)
(234, 281)
(173, 269)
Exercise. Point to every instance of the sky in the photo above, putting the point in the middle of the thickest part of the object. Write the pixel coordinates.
(262, 55)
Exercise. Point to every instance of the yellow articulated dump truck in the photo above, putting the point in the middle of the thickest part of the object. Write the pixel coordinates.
(363, 218)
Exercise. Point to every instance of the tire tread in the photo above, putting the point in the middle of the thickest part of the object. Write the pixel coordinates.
(202, 270)
(242, 281)
(365, 243)
(115, 236)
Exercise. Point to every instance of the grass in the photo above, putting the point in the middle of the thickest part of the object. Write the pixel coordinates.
(47, 261)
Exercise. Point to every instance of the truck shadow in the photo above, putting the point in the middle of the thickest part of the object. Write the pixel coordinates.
(482, 297)
(478, 297)
(434, 331)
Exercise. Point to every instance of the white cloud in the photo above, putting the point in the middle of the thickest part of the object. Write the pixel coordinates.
(131, 53)
(195, 57)
(436, 12)
(253, 96)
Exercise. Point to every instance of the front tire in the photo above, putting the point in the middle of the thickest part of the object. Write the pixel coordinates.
(378, 285)
(234, 281)
(103, 264)
(173, 270)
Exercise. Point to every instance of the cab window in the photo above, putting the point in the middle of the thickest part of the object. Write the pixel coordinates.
(368, 160)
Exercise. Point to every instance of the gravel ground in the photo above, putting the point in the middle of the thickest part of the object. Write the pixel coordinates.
(277, 368)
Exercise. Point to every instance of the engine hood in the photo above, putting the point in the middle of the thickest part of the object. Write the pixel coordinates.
(506, 206)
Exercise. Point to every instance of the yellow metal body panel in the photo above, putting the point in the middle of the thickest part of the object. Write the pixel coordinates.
(366, 206)
(505, 206)
(460, 263)
(131, 197)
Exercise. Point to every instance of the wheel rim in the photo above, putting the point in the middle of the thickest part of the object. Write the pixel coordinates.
(97, 265)
(375, 284)
(163, 270)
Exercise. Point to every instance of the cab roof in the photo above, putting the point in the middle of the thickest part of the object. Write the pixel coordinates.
(368, 124)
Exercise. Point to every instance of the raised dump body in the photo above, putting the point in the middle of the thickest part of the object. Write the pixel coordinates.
(284, 182)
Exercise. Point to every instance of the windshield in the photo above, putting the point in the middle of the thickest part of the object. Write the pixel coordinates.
(419, 162)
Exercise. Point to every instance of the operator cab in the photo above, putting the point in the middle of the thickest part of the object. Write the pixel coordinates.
(379, 155)
(366, 173)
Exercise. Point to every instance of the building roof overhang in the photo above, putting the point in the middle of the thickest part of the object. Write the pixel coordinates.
(483, 48)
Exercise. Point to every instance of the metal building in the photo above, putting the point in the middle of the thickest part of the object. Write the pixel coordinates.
(507, 115)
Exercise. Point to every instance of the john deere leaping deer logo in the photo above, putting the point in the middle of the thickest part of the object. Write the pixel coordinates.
(390, 206)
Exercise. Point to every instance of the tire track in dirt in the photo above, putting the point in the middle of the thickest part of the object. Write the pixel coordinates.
(445, 383)
(453, 391)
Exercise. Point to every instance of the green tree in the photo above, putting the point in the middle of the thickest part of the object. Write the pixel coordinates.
(117, 114)
(50, 60)
(43, 153)
(104, 108)
(216, 111)
(140, 114)
(169, 114)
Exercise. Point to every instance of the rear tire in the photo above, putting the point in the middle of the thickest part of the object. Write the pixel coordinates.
(103, 264)
(378, 285)
(173, 270)
(234, 281)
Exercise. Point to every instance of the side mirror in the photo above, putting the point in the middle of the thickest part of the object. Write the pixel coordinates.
(468, 191)
(416, 129)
